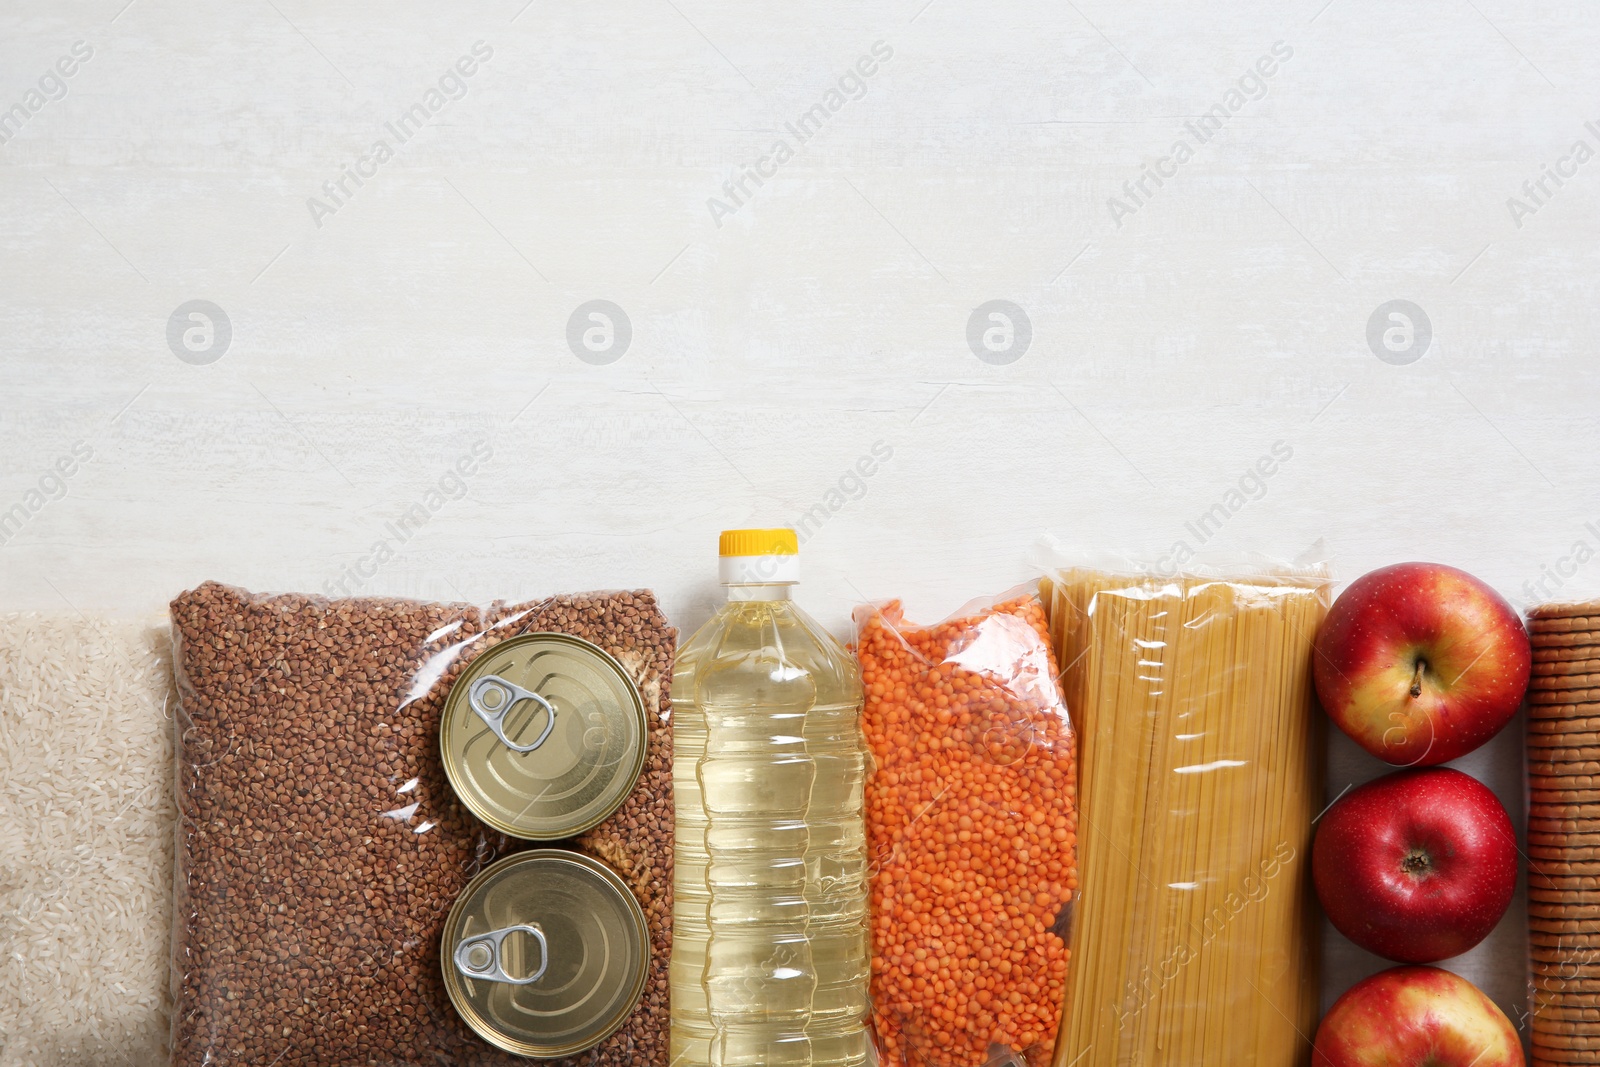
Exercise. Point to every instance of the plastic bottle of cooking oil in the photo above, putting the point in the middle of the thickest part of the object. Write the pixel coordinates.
(769, 955)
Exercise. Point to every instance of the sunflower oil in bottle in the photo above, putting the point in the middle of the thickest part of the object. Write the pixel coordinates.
(769, 959)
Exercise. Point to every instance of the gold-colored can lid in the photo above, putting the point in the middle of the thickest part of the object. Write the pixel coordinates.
(545, 953)
(543, 736)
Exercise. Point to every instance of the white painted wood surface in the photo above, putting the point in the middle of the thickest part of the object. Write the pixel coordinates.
(778, 339)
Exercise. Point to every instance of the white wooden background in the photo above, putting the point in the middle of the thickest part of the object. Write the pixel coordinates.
(776, 341)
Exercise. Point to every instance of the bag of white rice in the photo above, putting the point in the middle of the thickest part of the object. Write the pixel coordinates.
(86, 840)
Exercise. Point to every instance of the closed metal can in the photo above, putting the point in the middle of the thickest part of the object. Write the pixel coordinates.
(543, 736)
(545, 953)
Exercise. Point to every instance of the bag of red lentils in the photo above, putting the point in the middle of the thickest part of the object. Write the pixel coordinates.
(972, 834)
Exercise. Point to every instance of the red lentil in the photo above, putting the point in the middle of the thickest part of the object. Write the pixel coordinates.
(972, 830)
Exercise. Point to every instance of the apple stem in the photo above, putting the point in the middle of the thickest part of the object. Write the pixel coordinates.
(1416, 679)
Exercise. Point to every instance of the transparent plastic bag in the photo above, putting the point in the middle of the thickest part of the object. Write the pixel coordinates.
(972, 832)
(86, 823)
(1195, 937)
(321, 847)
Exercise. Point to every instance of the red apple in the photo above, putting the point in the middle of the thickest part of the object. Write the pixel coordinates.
(1421, 663)
(1407, 1016)
(1416, 866)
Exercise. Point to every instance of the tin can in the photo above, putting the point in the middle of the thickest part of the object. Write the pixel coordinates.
(545, 953)
(543, 736)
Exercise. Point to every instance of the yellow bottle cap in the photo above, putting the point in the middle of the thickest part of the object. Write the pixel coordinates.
(776, 542)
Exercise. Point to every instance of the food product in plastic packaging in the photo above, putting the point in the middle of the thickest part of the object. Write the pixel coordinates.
(1195, 933)
(770, 939)
(321, 847)
(86, 831)
(972, 829)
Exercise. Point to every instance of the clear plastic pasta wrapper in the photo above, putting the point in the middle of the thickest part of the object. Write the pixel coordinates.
(320, 843)
(86, 837)
(972, 828)
(1195, 937)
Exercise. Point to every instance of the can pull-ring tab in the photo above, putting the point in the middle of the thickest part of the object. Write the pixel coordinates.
(492, 698)
(478, 958)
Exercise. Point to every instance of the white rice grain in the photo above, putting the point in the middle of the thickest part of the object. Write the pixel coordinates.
(86, 840)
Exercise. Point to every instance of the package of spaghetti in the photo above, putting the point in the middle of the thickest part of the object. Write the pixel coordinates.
(972, 831)
(1195, 932)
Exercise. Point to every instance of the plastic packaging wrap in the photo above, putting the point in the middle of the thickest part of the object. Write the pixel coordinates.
(972, 832)
(321, 846)
(86, 828)
(1195, 933)
(1563, 758)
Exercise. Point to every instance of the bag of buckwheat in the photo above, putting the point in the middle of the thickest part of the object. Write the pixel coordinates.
(321, 846)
